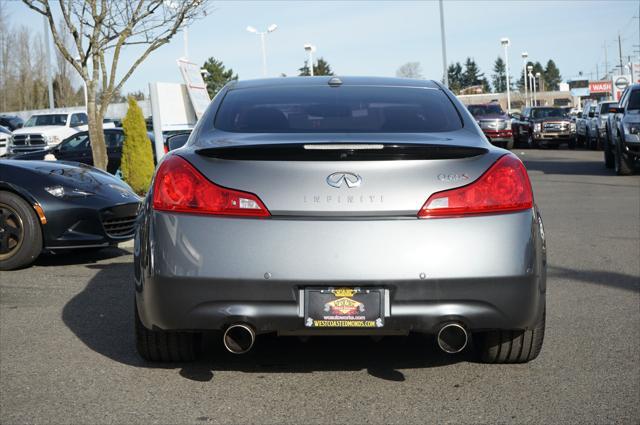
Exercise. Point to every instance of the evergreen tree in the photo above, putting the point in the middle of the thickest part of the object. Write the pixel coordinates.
(454, 73)
(499, 77)
(471, 75)
(552, 77)
(321, 67)
(218, 75)
(137, 157)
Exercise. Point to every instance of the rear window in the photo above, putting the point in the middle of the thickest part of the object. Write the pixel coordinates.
(354, 109)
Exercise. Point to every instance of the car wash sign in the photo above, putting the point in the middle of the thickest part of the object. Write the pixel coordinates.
(600, 87)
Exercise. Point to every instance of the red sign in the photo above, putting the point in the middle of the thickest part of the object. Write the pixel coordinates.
(600, 86)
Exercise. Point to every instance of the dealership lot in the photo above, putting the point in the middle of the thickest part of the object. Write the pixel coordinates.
(67, 348)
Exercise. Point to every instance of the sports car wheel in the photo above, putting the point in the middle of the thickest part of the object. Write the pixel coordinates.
(164, 346)
(504, 346)
(20, 233)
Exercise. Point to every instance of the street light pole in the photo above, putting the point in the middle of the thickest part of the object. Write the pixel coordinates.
(48, 59)
(310, 49)
(444, 48)
(505, 43)
(525, 55)
(262, 35)
(532, 85)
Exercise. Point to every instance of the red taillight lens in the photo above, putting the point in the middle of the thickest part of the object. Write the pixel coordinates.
(179, 187)
(503, 187)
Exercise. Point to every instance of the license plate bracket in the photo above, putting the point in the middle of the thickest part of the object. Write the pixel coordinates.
(344, 307)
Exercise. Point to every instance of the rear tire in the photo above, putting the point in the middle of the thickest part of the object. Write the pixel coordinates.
(505, 346)
(164, 346)
(20, 232)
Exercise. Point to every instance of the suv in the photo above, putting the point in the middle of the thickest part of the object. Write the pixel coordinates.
(494, 122)
(583, 123)
(544, 125)
(625, 131)
(47, 130)
(598, 126)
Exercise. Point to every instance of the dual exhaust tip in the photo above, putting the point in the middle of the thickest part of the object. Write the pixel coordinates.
(239, 338)
(452, 338)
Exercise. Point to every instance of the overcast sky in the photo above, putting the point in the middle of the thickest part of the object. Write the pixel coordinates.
(376, 37)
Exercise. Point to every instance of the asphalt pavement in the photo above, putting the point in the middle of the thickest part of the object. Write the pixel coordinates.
(67, 347)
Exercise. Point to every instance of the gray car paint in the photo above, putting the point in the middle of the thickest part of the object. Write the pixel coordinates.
(204, 272)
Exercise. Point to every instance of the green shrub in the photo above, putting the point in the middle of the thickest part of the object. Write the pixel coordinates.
(137, 157)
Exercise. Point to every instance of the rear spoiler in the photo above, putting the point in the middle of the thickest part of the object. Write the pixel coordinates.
(341, 152)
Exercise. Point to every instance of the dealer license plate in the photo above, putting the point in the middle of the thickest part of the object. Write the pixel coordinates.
(344, 307)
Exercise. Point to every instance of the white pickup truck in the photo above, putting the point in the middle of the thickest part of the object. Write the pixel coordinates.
(42, 131)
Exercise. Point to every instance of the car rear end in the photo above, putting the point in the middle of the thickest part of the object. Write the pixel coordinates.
(497, 130)
(337, 207)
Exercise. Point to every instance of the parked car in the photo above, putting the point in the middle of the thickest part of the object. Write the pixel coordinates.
(326, 205)
(176, 141)
(544, 126)
(583, 123)
(599, 124)
(78, 148)
(607, 145)
(494, 122)
(625, 129)
(11, 122)
(43, 131)
(55, 206)
(5, 140)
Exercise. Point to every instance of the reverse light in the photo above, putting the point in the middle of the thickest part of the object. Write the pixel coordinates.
(505, 187)
(179, 187)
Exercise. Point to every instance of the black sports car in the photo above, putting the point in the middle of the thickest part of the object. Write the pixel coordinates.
(78, 148)
(52, 206)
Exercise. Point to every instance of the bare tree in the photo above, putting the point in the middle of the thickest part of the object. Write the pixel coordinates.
(410, 70)
(100, 29)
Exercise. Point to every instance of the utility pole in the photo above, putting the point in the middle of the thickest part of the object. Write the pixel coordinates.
(444, 47)
(597, 72)
(631, 69)
(620, 54)
(606, 63)
(47, 50)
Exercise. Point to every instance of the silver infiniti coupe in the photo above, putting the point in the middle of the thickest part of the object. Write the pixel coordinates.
(340, 206)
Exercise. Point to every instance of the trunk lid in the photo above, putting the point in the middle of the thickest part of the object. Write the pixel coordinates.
(373, 176)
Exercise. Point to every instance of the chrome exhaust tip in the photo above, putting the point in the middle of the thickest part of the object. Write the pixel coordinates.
(239, 338)
(452, 338)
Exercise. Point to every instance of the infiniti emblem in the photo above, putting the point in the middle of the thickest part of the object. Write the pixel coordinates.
(341, 177)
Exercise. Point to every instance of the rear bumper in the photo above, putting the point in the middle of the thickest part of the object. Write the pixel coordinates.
(203, 273)
(500, 136)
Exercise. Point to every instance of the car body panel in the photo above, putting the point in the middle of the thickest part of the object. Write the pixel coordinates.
(73, 221)
(203, 272)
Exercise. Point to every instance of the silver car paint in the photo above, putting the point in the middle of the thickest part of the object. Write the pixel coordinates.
(204, 272)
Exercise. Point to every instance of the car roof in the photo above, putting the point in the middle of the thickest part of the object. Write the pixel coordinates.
(324, 80)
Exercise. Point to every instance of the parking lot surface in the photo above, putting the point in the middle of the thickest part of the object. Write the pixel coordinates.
(67, 347)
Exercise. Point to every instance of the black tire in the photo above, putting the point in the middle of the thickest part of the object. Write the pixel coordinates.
(504, 346)
(622, 164)
(20, 232)
(608, 155)
(572, 143)
(165, 346)
(532, 143)
(510, 144)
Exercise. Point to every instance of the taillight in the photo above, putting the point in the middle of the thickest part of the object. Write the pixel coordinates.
(502, 188)
(179, 187)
